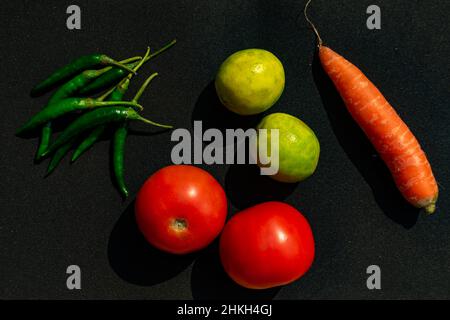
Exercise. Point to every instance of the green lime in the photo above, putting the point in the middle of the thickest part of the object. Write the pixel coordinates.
(298, 147)
(250, 81)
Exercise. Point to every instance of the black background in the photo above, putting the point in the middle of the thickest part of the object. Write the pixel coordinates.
(76, 216)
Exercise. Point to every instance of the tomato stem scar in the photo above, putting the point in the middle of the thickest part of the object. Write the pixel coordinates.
(179, 224)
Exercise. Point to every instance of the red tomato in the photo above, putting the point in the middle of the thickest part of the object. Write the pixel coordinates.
(268, 245)
(181, 209)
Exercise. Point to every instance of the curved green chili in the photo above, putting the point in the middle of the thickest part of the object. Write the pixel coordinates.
(65, 106)
(44, 140)
(118, 143)
(76, 66)
(73, 86)
(107, 80)
(57, 157)
(65, 148)
(115, 74)
(95, 134)
(120, 135)
(116, 95)
(66, 90)
(95, 118)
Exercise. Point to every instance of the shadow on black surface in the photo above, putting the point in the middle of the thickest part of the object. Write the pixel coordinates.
(142, 133)
(245, 186)
(243, 183)
(136, 261)
(57, 126)
(213, 114)
(210, 282)
(108, 135)
(362, 154)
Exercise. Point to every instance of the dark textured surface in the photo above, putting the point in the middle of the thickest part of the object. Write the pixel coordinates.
(75, 216)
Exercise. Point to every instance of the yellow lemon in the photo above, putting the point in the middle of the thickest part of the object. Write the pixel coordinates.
(250, 81)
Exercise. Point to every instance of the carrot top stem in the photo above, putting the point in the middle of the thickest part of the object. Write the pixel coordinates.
(319, 39)
(430, 208)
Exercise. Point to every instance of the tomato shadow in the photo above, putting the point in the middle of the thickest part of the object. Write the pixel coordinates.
(246, 187)
(361, 153)
(134, 260)
(210, 282)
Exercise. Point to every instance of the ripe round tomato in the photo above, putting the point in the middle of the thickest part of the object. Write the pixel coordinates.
(268, 245)
(181, 209)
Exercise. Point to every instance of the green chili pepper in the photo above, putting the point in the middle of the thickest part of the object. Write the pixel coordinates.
(115, 74)
(57, 157)
(95, 135)
(65, 106)
(65, 148)
(120, 135)
(76, 66)
(73, 86)
(95, 118)
(65, 91)
(116, 95)
(44, 140)
(108, 79)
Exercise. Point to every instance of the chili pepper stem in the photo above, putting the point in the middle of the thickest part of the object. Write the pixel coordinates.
(161, 50)
(118, 103)
(123, 83)
(136, 68)
(143, 87)
(140, 118)
(101, 71)
(123, 67)
(112, 62)
(154, 54)
(132, 59)
(106, 94)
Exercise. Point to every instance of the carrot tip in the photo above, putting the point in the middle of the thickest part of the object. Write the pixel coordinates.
(429, 209)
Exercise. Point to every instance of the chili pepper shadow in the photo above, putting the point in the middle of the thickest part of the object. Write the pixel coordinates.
(245, 186)
(213, 114)
(135, 260)
(362, 154)
(58, 125)
(146, 133)
(210, 282)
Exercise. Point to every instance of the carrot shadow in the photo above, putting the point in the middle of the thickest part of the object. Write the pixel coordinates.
(361, 153)
(134, 260)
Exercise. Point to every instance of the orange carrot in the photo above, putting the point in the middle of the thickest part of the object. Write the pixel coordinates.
(390, 136)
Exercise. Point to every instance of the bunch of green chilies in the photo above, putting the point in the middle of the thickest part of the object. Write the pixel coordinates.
(77, 81)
